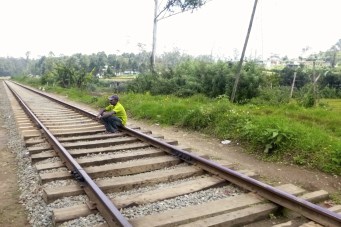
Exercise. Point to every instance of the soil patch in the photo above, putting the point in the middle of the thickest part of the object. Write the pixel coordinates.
(12, 213)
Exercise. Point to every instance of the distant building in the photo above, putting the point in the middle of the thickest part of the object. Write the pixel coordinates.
(273, 60)
(130, 72)
(293, 64)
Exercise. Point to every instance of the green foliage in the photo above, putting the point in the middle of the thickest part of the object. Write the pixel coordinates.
(32, 81)
(289, 132)
(198, 118)
(83, 78)
(336, 197)
(141, 84)
(330, 82)
(64, 76)
(272, 96)
(179, 74)
(334, 104)
(328, 92)
(48, 79)
(334, 165)
(270, 132)
(13, 66)
(306, 96)
(286, 132)
(302, 76)
(252, 78)
(184, 92)
(195, 76)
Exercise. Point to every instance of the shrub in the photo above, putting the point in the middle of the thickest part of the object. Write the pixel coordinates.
(272, 96)
(270, 132)
(328, 92)
(306, 96)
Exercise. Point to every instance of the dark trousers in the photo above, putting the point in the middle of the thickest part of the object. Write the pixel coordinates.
(112, 123)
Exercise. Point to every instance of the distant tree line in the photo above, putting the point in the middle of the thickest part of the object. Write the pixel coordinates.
(12, 66)
(185, 75)
(99, 64)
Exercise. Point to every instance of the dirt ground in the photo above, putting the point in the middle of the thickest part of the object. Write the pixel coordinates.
(13, 214)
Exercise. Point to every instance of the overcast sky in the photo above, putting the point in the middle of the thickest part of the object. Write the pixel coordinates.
(67, 27)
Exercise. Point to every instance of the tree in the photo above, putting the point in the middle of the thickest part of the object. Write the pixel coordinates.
(168, 9)
(82, 78)
(335, 49)
(64, 75)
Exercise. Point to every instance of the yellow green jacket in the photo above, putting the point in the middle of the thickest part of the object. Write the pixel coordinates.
(119, 110)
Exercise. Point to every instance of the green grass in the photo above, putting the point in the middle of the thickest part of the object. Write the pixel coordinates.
(334, 104)
(292, 134)
(327, 119)
(287, 133)
(308, 137)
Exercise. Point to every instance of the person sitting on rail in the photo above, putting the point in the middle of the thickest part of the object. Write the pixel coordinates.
(113, 116)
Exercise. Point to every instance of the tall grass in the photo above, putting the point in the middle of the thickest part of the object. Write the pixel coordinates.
(289, 133)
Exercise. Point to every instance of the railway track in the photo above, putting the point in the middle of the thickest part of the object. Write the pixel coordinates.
(135, 178)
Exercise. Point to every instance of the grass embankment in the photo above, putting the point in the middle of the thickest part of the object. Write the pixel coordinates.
(287, 133)
(309, 137)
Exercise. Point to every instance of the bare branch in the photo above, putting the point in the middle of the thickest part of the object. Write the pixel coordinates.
(184, 7)
(169, 16)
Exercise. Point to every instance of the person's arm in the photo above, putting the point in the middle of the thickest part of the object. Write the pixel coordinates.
(107, 114)
(100, 113)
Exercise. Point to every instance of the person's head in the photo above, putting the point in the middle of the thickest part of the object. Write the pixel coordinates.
(113, 99)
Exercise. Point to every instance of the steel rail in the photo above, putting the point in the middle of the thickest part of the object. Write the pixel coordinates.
(102, 202)
(305, 208)
(77, 109)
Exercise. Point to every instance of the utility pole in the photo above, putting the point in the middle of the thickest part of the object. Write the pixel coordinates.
(243, 53)
(152, 57)
(295, 66)
(293, 84)
(314, 82)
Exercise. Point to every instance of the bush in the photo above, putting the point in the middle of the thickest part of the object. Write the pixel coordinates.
(194, 76)
(306, 96)
(184, 92)
(328, 92)
(272, 96)
(269, 132)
